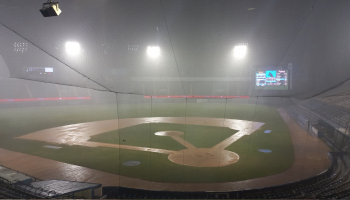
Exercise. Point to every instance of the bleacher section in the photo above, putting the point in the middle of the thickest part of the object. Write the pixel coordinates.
(342, 101)
(24, 93)
(48, 189)
(332, 122)
(337, 116)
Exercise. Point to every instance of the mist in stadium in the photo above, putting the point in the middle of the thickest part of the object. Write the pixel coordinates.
(174, 99)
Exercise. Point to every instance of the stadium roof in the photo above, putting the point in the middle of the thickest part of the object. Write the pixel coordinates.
(195, 40)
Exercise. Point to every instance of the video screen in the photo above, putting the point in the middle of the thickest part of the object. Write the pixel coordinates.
(271, 80)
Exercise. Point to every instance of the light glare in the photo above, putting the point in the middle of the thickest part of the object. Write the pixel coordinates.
(153, 51)
(72, 48)
(240, 51)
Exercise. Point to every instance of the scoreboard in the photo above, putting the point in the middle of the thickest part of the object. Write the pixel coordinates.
(39, 70)
(271, 80)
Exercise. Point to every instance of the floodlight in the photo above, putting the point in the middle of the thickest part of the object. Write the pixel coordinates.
(240, 51)
(153, 51)
(50, 9)
(72, 48)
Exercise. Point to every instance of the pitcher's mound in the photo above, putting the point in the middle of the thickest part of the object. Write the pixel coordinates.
(204, 157)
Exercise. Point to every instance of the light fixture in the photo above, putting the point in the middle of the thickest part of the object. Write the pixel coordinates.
(20, 46)
(240, 51)
(50, 9)
(72, 48)
(153, 51)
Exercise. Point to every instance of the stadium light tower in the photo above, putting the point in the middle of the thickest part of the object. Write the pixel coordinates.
(73, 48)
(50, 9)
(240, 51)
(153, 51)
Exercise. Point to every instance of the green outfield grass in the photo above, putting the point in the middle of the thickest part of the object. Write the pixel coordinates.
(154, 166)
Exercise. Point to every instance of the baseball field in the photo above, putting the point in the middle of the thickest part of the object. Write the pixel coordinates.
(162, 142)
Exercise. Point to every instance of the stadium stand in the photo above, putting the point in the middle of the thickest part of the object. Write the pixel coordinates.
(341, 101)
(338, 116)
(49, 189)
